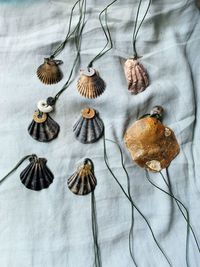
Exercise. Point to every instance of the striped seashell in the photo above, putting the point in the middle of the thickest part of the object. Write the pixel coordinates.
(37, 176)
(43, 128)
(89, 128)
(90, 84)
(136, 76)
(49, 72)
(83, 181)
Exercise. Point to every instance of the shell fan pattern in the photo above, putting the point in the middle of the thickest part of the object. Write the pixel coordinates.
(90, 84)
(152, 145)
(49, 72)
(37, 176)
(89, 128)
(83, 181)
(43, 128)
(136, 76)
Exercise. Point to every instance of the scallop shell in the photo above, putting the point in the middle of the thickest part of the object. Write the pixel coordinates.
(43, 128)
(152, 145)
(136, 76)
(83, 181)
(89, 128)
(37, 176)
(90, 86)
(49, 72)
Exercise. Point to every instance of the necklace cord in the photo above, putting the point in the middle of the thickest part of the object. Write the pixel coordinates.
(132, 207)
(16, 166)
(97, 256)
(136, 30)
(107, 34)
(132, 202)
(61, 46)
(179, 204)
(78, 39)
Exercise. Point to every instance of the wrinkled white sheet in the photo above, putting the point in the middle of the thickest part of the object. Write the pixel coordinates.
(52, 228)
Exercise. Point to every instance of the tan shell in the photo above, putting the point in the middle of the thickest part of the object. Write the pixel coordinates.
(136, 76)
(151, 144)
(90, 86)
(49, 72)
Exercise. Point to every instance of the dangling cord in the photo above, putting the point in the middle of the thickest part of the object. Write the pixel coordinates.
(61, 46)
(78, 39)
(130, 199)
(97, 256)
(186, 217)
(132, 207)
(136, 30)
(107, 35)
(17, 166)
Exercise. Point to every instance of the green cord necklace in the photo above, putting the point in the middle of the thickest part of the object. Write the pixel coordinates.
(90, 84)
(135, 73)
(49, 72)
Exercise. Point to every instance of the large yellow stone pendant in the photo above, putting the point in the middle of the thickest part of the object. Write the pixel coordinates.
(152, 145)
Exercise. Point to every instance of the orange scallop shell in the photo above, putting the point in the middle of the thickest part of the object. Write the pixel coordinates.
(90, 86)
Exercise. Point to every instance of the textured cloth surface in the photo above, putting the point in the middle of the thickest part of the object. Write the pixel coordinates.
(52, 228)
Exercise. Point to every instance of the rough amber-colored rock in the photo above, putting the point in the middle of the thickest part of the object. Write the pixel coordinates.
(151, 144)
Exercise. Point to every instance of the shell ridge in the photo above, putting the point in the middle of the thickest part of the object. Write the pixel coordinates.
(26, 171)
(78, 125)
(28, 177)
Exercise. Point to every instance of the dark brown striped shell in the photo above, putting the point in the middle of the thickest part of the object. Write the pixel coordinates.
(49, 72)
(37, 176)
(89, 128)
(43, 130)
(90, 86)
(83, 181)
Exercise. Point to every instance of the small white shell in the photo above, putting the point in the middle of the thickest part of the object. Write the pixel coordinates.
(43, 107)
(88, 72)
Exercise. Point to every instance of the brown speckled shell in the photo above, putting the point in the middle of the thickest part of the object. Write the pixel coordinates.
(49, 72)
(136, 76)
(151, 144)
(90, 86)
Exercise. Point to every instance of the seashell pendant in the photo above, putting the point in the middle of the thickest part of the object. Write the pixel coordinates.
(49, 72)
(89, 128)
(83, 181)
(37, 176)
(152, 145)
(43, 128)
(90, 84)
(136, 76)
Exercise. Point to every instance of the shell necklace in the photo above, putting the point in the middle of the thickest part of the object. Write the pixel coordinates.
(90, 84)
(36, 176)
(83, 182)
(49, 72)
(136, 75)
(153, 146)
(88, 129)
(43, 128)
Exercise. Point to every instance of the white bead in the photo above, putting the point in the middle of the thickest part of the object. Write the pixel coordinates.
(43, 107)
(88, 72)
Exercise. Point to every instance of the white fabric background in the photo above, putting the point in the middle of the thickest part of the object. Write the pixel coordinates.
(52, 228)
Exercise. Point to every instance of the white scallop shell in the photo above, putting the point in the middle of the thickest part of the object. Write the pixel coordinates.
(43, 107)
